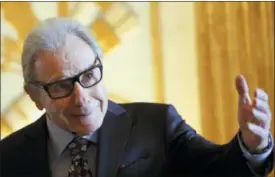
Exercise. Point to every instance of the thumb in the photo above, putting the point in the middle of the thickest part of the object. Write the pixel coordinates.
(243, 91)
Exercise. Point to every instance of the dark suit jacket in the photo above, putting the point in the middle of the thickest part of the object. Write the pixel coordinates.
(138, 139)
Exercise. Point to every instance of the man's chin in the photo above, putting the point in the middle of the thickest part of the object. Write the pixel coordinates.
(86, 125)
(84, 133)
(86, 130)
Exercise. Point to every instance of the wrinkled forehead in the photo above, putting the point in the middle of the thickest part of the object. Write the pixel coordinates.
(67, 61)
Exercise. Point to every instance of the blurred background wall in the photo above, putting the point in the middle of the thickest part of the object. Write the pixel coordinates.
(183, 53)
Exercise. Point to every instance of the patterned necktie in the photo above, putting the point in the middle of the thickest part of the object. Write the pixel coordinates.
(79, 166)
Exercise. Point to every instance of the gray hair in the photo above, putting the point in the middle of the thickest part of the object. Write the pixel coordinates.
(51, 35)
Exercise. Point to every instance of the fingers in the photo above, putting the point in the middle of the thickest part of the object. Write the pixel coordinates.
(243, 90)
(260, 94)
(257, 113)
(261, 106)
(260, 118)
(260, 102)
(241, 85)
(258, 130)
(261, 114)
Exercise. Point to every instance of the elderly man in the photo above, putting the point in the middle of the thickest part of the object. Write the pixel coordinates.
(84, 134)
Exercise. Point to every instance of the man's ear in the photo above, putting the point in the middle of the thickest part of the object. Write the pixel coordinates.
(34, 95)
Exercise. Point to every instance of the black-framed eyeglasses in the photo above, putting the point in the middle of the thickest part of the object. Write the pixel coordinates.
(63, 88)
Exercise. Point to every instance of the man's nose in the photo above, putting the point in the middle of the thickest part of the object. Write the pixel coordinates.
(79, 94)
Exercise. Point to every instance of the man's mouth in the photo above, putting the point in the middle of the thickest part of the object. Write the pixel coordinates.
(84, 112)
(81, 115)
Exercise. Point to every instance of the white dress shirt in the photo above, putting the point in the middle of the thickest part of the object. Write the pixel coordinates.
(59, 156)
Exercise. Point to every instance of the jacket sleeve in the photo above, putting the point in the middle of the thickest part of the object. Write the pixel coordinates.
(191, 154)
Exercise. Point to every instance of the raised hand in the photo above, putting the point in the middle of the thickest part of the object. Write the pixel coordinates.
(254, 116)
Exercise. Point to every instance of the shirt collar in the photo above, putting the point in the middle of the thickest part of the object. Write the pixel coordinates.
(60, 138)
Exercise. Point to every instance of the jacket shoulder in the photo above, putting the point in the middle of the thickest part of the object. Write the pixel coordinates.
(17, 138)
(152, 113)
(146, 106)
(13, 140)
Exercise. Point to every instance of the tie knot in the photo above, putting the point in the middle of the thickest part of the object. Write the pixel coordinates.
(78, 146)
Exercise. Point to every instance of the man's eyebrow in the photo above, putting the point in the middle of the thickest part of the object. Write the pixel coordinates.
(96, 62)
(54, 79)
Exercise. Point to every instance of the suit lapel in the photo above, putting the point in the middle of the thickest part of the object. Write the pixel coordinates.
(38, 149)
(113, 136)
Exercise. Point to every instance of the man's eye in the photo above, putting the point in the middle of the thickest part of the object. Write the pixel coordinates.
(61, 86)
(89, 75)
(64, 85)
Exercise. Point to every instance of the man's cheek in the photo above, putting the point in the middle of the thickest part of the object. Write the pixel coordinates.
(101, 92)
(61, 103)
(64, 119)
(54, 107)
